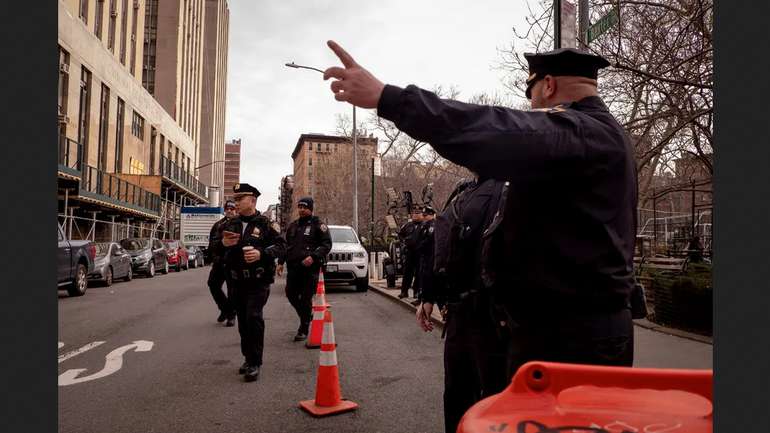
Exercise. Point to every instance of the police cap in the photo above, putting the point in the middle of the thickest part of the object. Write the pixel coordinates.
(306, 201)
(244, 189)
(562, 62)
(428, 210)
(229, 204)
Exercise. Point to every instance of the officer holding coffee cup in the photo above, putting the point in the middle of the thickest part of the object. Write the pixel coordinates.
(251, 247)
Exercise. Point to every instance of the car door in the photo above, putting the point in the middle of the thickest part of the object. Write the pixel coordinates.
(158, 253)
(63, 254)
(119, 260)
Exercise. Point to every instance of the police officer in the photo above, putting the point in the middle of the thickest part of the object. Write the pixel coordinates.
(566, 225)
(476, 346)
(308, 243)
(251, 247)
(408, 235)
(425, 250)
(217, 273)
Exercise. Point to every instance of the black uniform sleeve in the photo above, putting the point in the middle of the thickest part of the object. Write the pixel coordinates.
(496, 142)
(288, 240)
(324, 243)
(215, 241)
(277, 247)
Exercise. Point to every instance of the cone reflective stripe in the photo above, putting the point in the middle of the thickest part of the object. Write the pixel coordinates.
(328, 400)
(319, 306)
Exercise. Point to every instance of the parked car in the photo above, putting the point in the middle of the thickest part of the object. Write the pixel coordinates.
(111, 262)
(177, 254)
(347, 261)
(75, 260)
(147, 255)
(195, 256)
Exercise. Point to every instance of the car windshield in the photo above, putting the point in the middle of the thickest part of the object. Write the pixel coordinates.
(172, 245)
(343, 235)
(102, 249)
(134, 244)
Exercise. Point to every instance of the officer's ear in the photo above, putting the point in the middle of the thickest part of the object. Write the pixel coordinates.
(549, 87)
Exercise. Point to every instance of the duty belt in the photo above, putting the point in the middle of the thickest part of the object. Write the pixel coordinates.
(246, 274)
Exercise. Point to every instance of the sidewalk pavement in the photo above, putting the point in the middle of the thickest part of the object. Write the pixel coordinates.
(380, 286)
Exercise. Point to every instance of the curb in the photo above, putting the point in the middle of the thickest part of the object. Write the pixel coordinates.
(435, 317)
(642, 323)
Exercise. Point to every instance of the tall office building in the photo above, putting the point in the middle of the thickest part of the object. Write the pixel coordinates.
(232, 167)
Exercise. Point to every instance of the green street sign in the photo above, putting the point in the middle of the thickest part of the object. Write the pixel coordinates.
(605, 23)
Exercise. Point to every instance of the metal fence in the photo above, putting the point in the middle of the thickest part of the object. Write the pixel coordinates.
(70, 153)
(171, 170)
(97, 230)
(108, 185)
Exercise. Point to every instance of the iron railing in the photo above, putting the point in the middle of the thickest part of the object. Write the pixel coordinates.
(173, 171)
(122, 192)
(70, 154)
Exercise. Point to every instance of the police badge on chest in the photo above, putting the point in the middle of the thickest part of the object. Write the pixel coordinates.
(307, 231)
(256, 233)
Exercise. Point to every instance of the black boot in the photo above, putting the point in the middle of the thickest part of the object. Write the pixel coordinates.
(243, 368)
(251, 374)
(222, 317)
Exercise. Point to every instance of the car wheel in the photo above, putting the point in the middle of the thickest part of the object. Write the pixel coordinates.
(164, 271)
(80, 283)
(362, 284)
(151, 269)
(130, 274)
(194, 263)
(179, 266)
(108, 277)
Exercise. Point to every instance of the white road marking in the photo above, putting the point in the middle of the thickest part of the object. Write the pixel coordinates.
(61, 345)
(85, 348)
(113, 363)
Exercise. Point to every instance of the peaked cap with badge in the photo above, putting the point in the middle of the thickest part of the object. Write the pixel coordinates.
(562, 62)
(244, 189)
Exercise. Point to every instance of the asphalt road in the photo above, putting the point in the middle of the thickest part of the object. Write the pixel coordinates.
(184, 378)
(188, 381)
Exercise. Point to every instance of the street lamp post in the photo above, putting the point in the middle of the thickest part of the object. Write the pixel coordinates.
(355, 151)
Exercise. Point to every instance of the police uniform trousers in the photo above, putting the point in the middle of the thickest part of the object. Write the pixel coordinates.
(301, 284)
(216, 280)
(411, 274)
(598, 338)
(475, 364)
(250, 297)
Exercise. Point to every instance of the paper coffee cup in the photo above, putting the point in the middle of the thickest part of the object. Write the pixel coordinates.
(247, 248)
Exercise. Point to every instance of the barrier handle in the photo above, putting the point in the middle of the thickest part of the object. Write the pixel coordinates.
(537, 376)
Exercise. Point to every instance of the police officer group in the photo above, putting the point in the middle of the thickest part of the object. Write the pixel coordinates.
(530, 260)
(533, 258)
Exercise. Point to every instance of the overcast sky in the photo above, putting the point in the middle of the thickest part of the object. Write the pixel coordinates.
(422, 42)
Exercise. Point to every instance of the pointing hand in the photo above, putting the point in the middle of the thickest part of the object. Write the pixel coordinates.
(353, 83)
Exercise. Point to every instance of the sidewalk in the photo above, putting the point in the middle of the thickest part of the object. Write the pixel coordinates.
(380, 286)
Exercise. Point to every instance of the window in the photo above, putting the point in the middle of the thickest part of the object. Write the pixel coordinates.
(111, 31)
(153, 134)
(327, 147)
(137, 126)
(150, 42)
(310, 161)
(134, 19)
(98, 18)
(83, 10)
(318, 148)
(64, 79)
(188, 163)
(85, 109)
(335, 147)
(104, 123)
(123, 25)
(119, 134)
(310, 147)
(136, 166)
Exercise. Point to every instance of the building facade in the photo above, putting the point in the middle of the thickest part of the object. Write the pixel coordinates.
(323, 169)
(232, 167)
(121, 156)
(173, 64)
(214, 98)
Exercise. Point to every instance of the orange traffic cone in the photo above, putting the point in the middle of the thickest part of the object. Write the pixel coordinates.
(319, 306)
(327, 390)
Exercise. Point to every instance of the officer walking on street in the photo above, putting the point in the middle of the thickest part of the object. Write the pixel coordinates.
(425, 251)
(308, 243)
(558, 254)
(217, 273)
(251, 247)
(408, 236)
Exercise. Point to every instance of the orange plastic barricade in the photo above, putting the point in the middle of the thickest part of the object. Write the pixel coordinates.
(546, 397)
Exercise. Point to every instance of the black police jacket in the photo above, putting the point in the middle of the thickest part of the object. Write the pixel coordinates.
(307, 237)
(216, 249)
(568, 220)
(257, 232)
(408, 235)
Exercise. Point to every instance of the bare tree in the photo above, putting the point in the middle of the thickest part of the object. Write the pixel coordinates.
(660, 85)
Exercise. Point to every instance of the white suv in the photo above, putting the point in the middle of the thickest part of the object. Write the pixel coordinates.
(347, 261)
